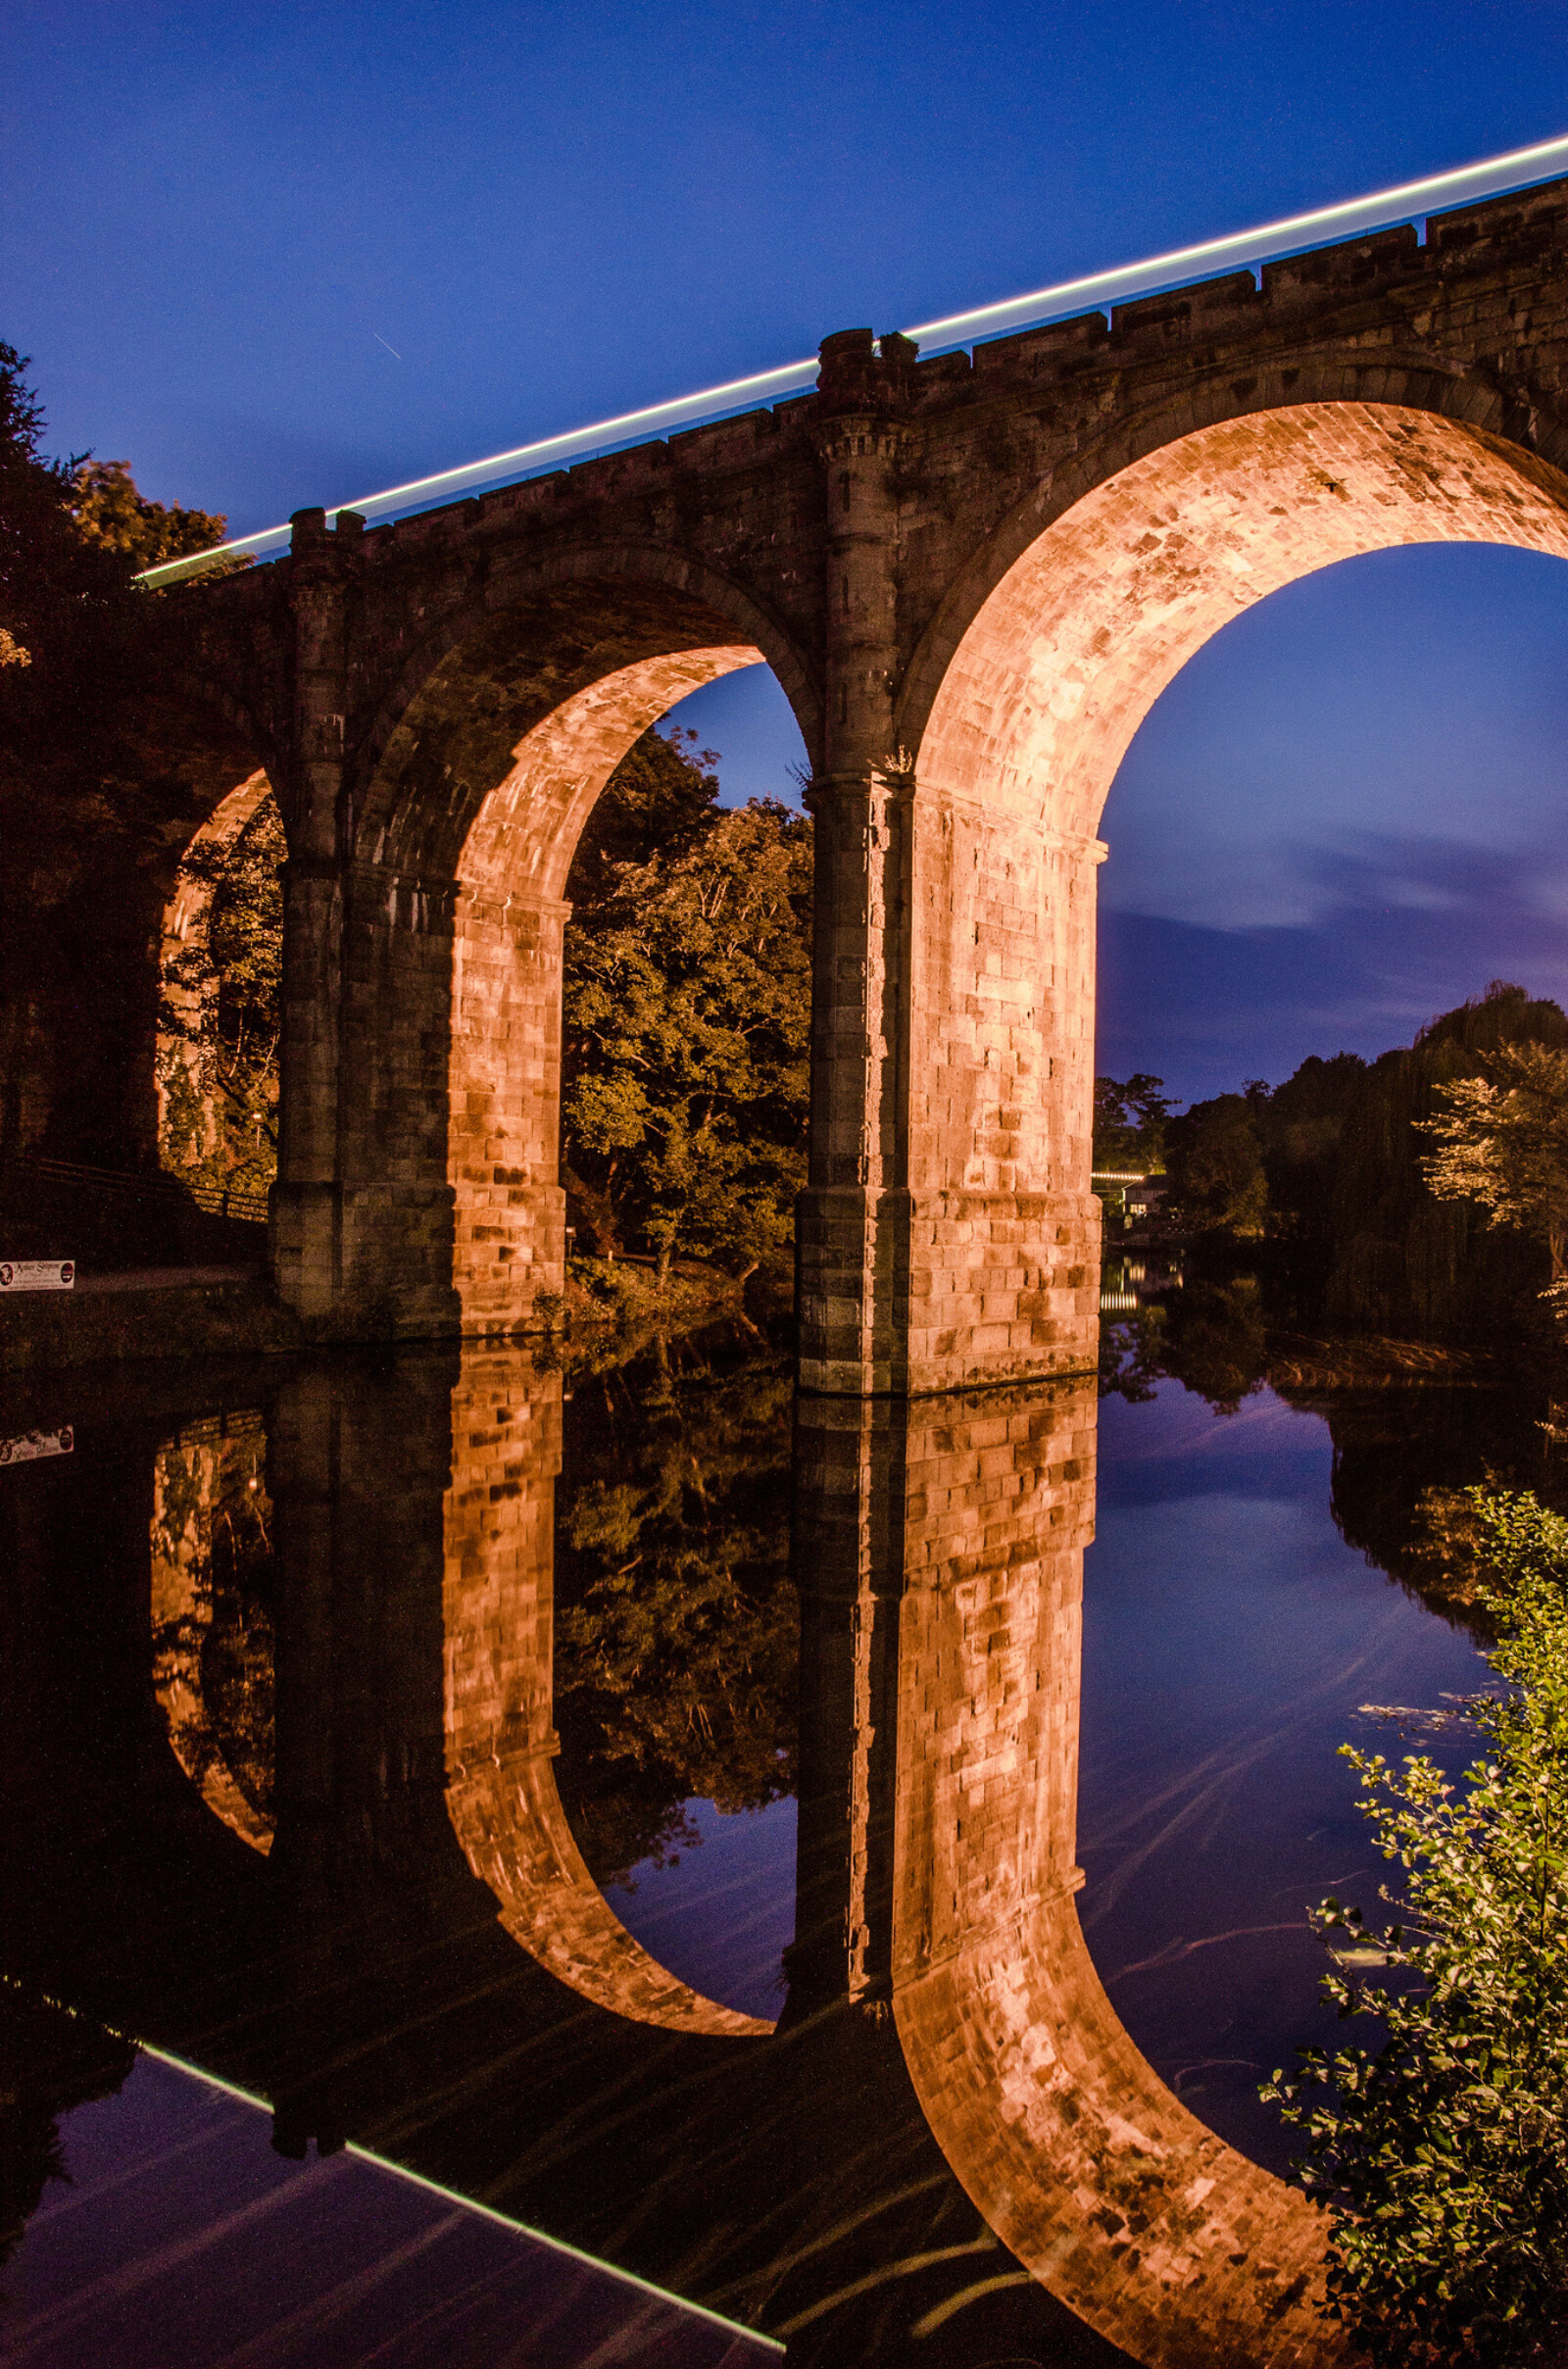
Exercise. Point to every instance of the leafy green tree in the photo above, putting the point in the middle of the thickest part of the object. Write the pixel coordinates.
(105, 768)
(108, 510)
(687, 1019)
(1214, 1159)
(1503, 1142)
(1442, 2156)
(1130, 1123)
(73, 535)
(1302, 1126)
(64, 600)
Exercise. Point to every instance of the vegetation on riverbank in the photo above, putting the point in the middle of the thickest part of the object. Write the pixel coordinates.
(1441, 2155)
(1423, 1195)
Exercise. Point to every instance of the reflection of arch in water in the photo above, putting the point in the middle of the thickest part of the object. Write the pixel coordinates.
(187, 1119)
(942, 1545)
(196, 1478)
(499, 1741)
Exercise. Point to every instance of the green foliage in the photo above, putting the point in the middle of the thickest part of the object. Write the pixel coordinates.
(1441, 2156)
(1503, 1142)
(108, 511)
(64, 600)
(1130, 1125)
(687, 1017)
(1404, 1260)
(1214, 1159)
(1303, 1126)
(220, 1018)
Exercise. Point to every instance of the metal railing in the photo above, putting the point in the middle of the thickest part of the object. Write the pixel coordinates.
(155, 1184)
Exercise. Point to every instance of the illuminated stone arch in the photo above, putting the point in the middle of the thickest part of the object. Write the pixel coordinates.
(443, 1206)
(196, 1476)
(940, 1546)
(1032, 685)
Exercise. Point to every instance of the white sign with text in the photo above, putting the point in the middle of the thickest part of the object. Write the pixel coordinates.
(37, 1275)
(24, 1446)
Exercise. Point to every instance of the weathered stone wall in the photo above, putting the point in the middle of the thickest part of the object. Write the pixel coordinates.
(972, 575)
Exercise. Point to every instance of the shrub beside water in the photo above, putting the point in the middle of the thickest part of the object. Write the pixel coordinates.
(1440, 2156)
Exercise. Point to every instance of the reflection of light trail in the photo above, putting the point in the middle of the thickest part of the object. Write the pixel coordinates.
(1384, 208)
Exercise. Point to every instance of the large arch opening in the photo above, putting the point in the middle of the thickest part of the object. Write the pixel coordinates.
(451, 1201)
(1055, 661)
(1020, 707)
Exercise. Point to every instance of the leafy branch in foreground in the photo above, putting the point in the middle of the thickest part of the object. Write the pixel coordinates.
(1442, 2156)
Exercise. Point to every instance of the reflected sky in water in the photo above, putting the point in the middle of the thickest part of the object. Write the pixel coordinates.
(1230, 1637)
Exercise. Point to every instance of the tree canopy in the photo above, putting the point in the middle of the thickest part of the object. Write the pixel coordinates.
(1503, 1142)
(73, 535)
(108, 511)
(1130, 1123)
(1214, 1159)
(687, 1015)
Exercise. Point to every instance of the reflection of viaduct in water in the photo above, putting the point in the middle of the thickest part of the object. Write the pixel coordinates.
(939, 1545)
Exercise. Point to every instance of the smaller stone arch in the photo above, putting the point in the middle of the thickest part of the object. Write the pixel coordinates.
(187, 982)
(442, 1209)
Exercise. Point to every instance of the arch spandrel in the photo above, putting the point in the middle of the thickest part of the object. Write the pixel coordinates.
(498, 1616)
(504, 662)
(1069, 640)
(941, 1560)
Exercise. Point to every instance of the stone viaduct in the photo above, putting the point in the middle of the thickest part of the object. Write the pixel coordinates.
(972, 575)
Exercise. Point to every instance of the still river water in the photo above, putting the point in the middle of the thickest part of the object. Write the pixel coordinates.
(455, 1761)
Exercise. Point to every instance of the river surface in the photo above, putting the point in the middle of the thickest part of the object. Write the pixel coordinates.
(455, 1760)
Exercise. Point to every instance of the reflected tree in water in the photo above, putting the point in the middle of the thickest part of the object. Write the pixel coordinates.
(676, 1631)
(213, 1584)
(1210, 1337)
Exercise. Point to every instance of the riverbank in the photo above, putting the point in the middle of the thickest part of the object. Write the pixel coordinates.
(141, 1315)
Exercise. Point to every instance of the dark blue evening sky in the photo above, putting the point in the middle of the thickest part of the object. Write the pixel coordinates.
(284, 254)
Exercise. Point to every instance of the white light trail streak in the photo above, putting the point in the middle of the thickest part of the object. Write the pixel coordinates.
(1495, 176)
